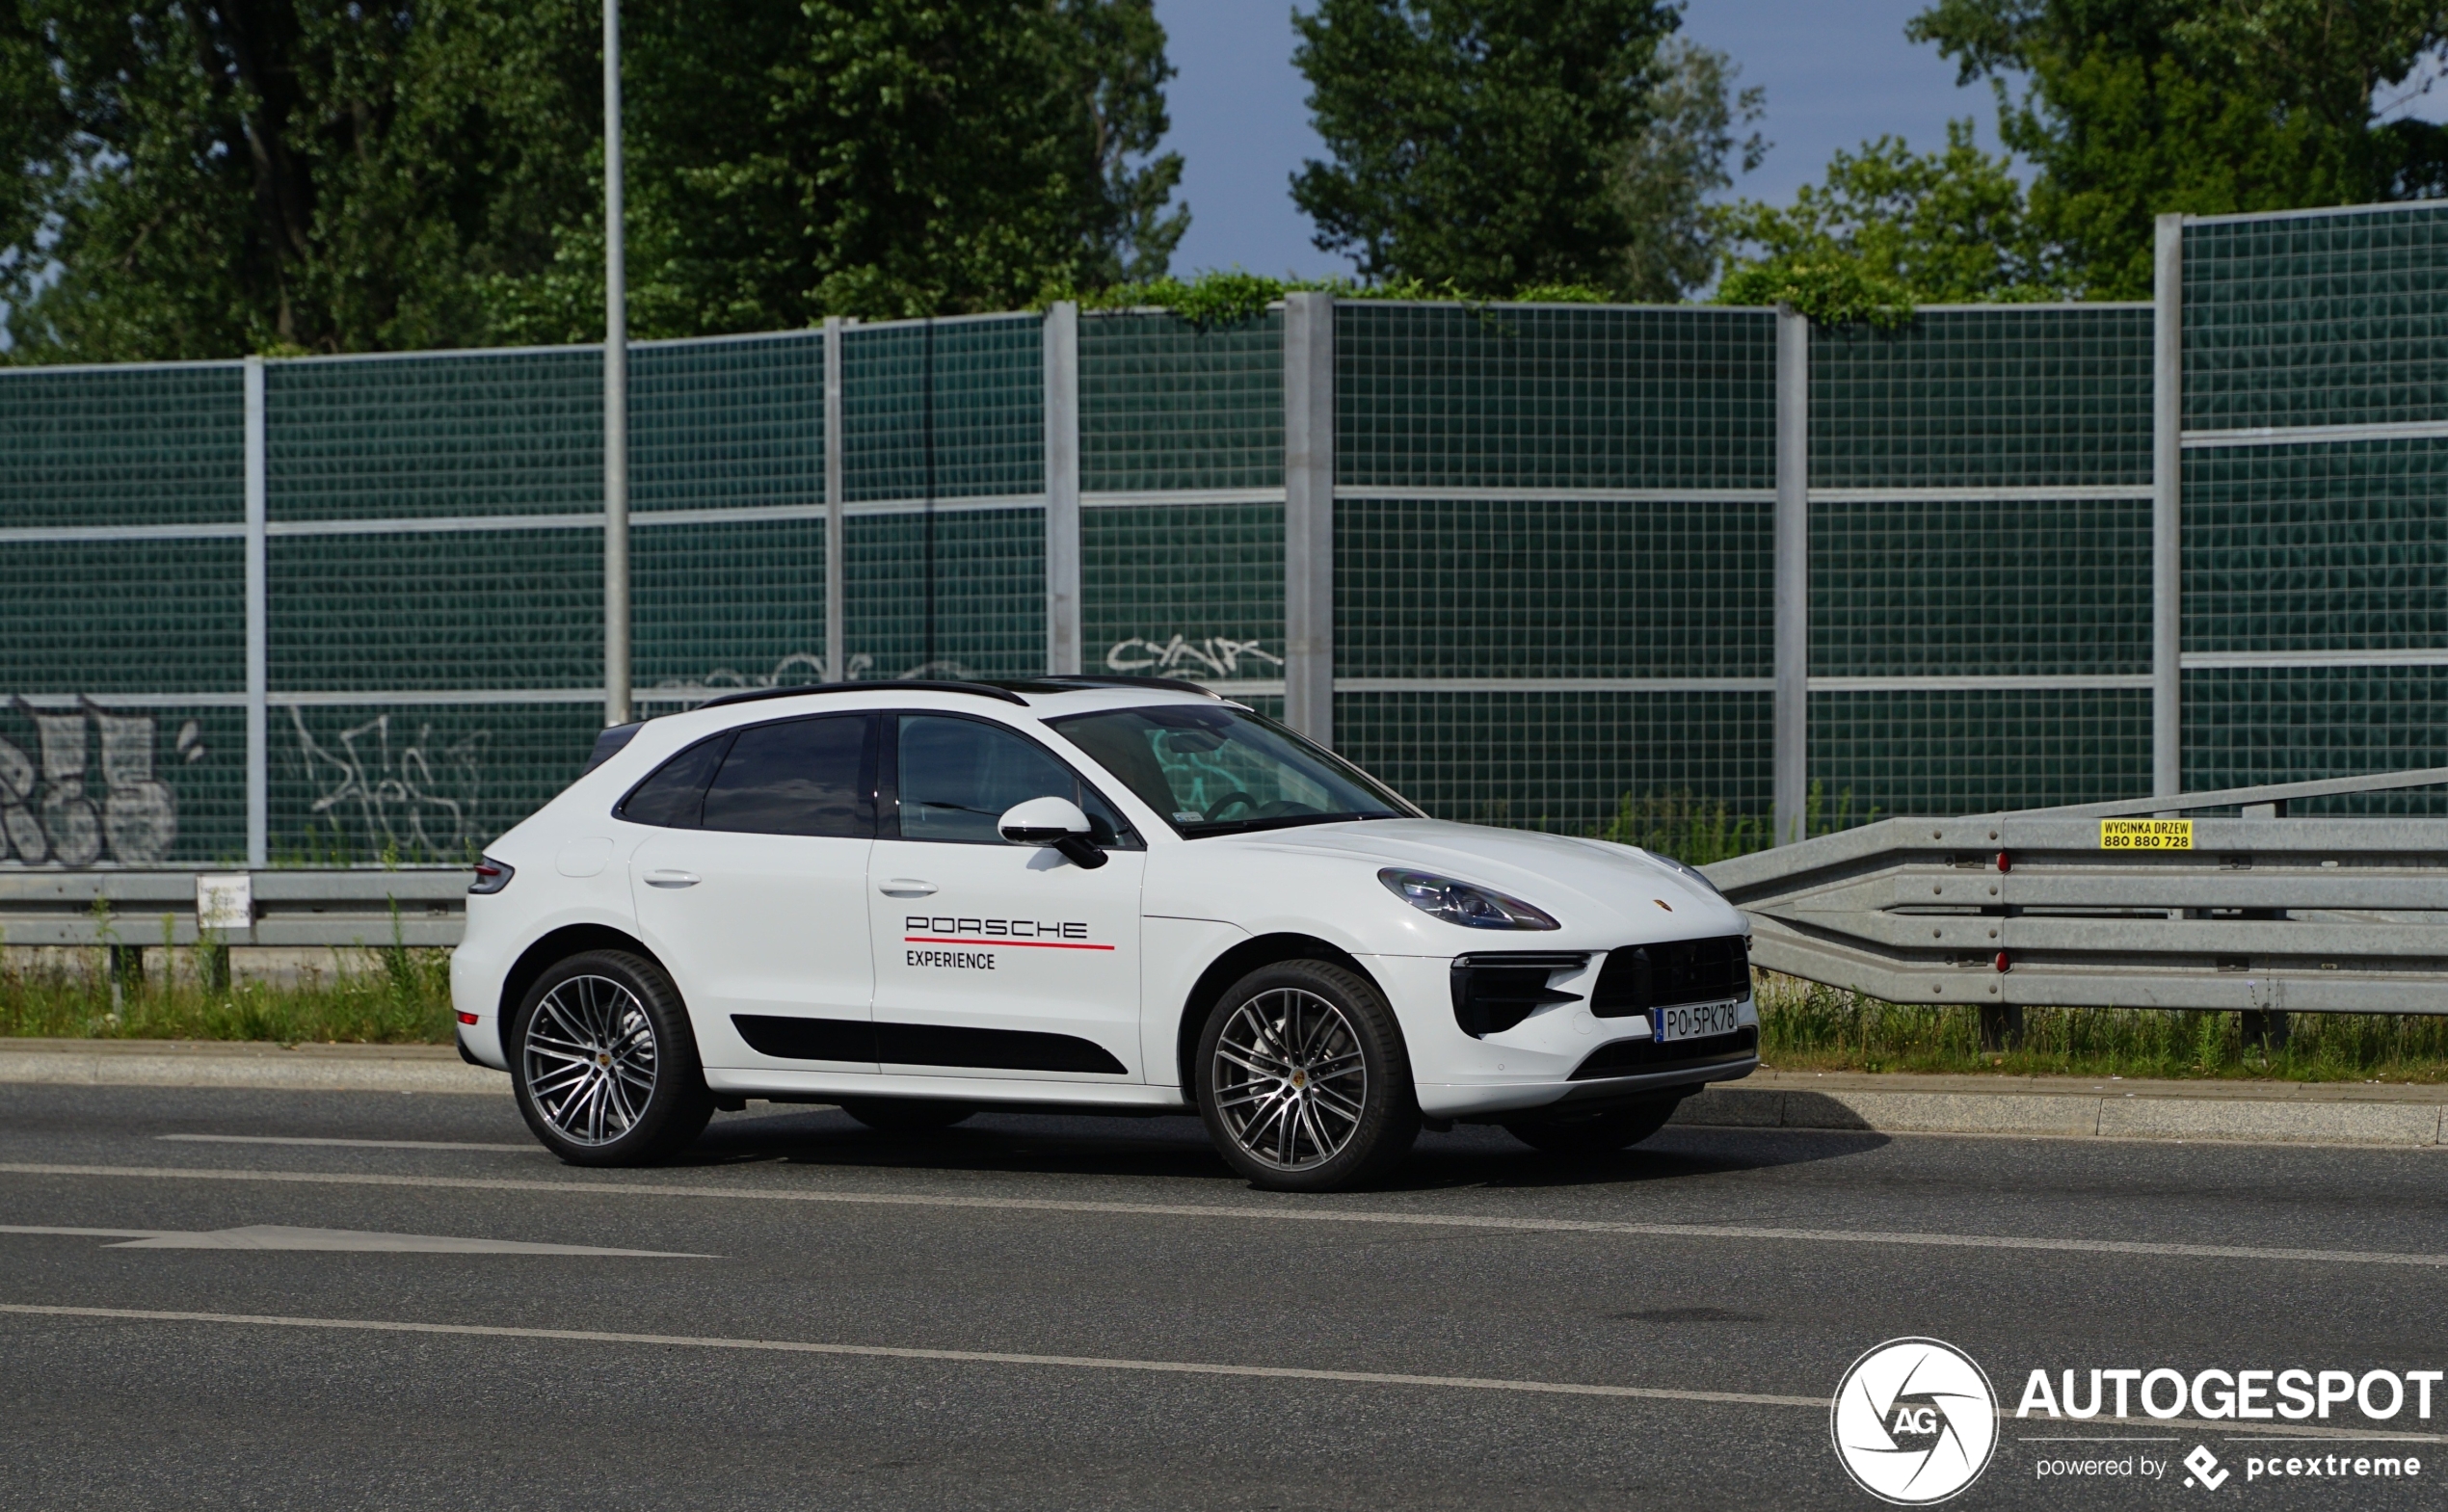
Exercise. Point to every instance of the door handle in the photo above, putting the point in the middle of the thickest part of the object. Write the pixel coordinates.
(669, 878)
(906, 887)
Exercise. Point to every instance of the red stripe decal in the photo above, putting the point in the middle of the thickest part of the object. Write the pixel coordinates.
(1033, 945)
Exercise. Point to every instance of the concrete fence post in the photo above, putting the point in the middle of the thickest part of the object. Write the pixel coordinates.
(2168, 511)
(1062, 487)
(1308, 516)
(258, 628)
(1791, 739)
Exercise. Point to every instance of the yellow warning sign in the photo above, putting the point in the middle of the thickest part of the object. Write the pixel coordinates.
(2145, 835)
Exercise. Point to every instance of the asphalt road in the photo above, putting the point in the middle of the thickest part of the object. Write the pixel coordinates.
(1025, 1313)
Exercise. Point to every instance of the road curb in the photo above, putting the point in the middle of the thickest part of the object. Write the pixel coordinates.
(315, 1067)
(2254, 1113)
(2240, 1117)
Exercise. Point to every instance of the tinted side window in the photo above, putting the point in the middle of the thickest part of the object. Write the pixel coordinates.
(957, 776)
(673, 796)
(803, 777)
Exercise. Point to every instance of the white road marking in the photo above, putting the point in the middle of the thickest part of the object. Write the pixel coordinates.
(280, 1237)
(1252, 1214)
(354, 1144)
(85, 1234)
(1476, 1383)
(962, 1356)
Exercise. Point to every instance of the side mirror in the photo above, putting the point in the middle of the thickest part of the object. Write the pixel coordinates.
(1053, 822)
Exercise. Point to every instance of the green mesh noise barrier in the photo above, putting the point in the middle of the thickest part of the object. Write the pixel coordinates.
(476, 433)
(1168, 406)
(1191, 587)
(1876, 755)
(2331, 319)
(2007, 397)
(1981, 510)
(1462, 437)
(727, 498)
(423, 784)
(122, 662)
(1579, 762)
(2309, 550)
(1537, 588)
(1553, 552)
(1569, 397)
(138, 445)
(938, 416)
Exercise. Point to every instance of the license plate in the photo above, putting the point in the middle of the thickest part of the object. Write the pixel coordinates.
(1695, 1020)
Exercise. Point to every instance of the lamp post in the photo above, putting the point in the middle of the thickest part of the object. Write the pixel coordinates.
(616, 394)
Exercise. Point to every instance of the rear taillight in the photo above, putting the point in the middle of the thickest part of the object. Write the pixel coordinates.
(492, 876)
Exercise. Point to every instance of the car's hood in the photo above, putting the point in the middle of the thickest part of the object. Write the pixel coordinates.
(1620, 894)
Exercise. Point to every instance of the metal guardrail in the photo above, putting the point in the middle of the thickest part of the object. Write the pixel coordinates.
(2261, 913)
(288, 908)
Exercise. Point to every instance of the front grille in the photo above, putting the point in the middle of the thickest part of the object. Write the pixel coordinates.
(1641, 1057)
(1641, 977)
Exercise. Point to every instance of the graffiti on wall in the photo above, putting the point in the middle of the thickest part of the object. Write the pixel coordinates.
(54, 812)
(417, 797)
(1216, 656)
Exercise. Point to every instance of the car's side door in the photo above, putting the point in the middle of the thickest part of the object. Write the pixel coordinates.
(994, 959)
(753, 890)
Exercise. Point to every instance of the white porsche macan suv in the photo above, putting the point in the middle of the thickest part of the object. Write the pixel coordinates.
(917, 900)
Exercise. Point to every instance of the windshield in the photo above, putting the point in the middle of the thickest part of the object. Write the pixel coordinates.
(1220, 770)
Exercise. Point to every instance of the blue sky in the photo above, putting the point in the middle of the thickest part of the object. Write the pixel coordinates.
(1837, 72)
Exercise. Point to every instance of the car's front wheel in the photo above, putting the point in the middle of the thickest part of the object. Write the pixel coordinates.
(1304, 1084)
(1595, 1133)
(603, 1062)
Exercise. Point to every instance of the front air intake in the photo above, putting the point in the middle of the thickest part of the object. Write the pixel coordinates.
(1495, 990)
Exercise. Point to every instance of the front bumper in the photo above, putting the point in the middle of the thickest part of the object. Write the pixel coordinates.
(1560, 1055)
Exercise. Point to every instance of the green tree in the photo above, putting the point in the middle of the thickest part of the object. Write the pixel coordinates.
(1890, 228)
(199, 181)
(327, 175)
(1479, 143)
(2129, 108)
(1667, 173)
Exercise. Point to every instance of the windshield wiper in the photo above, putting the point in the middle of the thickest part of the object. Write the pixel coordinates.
(1281, 821)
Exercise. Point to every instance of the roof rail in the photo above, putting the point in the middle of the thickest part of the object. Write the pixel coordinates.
(890, 684)
(1105, 680)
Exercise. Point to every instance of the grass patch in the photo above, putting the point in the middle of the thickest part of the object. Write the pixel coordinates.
(403, 999)
(1807, 1026)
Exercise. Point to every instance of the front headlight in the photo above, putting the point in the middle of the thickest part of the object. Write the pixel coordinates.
(1461, 903)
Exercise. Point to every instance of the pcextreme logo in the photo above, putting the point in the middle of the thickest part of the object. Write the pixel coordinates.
(1915, 1422)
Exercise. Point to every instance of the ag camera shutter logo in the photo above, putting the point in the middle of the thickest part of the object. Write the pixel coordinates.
(1915, 1422)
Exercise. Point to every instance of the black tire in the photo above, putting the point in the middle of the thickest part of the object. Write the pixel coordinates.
(1292, 1132)
(905, 1115)
(644, 1095)
(1595, 1133)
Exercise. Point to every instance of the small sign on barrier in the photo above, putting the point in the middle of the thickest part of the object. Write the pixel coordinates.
(2145, 835)
(226, 904)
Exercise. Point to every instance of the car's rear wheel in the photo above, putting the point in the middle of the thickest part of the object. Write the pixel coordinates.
(1595, 1133)
(1304, 1084)
(905, 1115)
(603, 1062)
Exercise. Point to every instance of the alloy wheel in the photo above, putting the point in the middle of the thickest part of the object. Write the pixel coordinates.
(1290, 1080)
(590, 1060)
